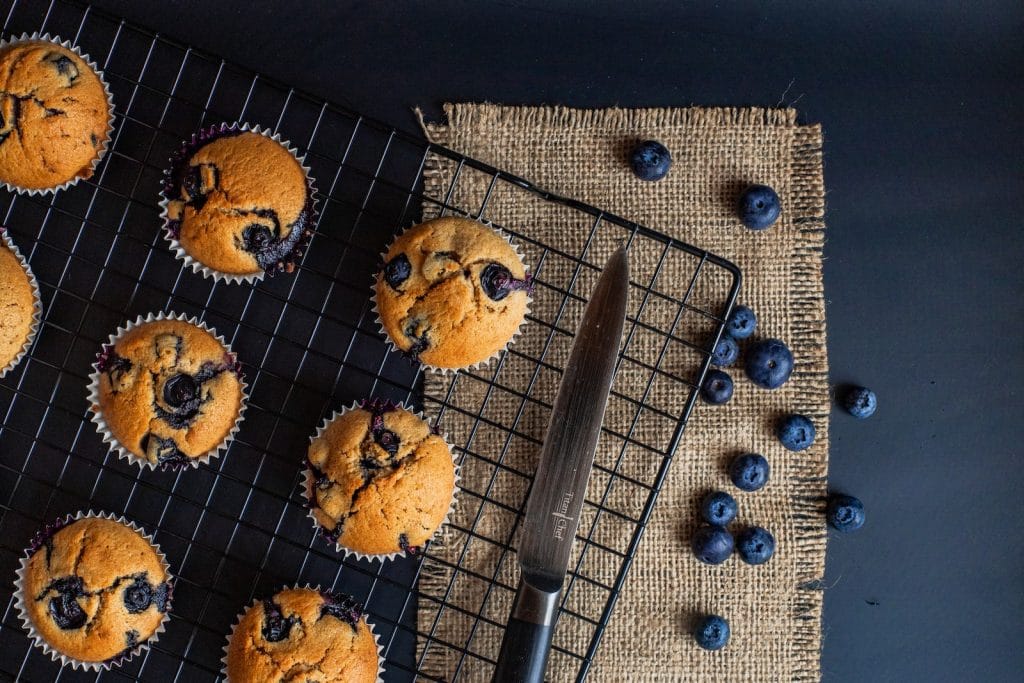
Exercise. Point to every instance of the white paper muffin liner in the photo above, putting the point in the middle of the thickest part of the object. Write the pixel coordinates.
(306, 485)
(101, 423)
(481, 363)
(318, 589)
(37, 37)
(188, 148)
(21, 600)
(37, 303)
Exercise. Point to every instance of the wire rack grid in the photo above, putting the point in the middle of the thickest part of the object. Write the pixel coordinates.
(237, 528)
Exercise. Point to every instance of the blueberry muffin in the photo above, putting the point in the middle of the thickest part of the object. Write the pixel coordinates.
(239, 203)
(54, 115)
(379, 480)
(19, 305)
(94, 590)
(452, 293)
(301, 634)
(167, 392)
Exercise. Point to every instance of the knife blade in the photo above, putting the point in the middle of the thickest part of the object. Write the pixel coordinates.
(560, 483)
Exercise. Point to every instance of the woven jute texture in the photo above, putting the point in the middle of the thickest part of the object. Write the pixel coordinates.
(774, 609)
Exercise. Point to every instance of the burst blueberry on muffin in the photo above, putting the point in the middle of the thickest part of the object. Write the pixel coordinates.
(19, 305)
(238, 204)
(379, 480)
(167, 392)
(452, 293)
(54, 115)
(302, 634)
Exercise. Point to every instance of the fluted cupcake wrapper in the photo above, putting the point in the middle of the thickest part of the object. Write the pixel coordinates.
(21, 599)
(37, 304)
(188, 148)
(434, 368)
(318, 589)
(306, 486)
(38, 37)
(101, 423)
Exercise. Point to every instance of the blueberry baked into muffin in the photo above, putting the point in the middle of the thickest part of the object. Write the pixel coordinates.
(93, 590)
(167, 392)
(379, 481)
(452, 293)
(55, 115)
(238, 203)
(19, 305)
(302, 634)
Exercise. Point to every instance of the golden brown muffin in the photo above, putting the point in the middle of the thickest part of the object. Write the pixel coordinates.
(168, 392)
(94, 589)
(452, 292)
(55, 115)
(239, 203)
(300, 635)
(380, 481)
(17, 307)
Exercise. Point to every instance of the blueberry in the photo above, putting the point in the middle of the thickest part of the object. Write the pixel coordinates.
(860, 402)
(741, 322)
(179, 390)
(342, 607)
(397, 270)
(769, 363)
(650, 160)
(712, 544)
(718, 508)
(65, 67)
(275, 626)
(256, 237)
(726, 352)
(717, 387)
(496, 281)
(64, 608)
(749, 472)
(759, 207)
(755, 545)
(712, 632)
(137, 596)
(403, 543)
(796, 432)
(388, 440)
(845, 513)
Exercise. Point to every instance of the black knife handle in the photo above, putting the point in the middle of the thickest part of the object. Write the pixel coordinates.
(527, 640)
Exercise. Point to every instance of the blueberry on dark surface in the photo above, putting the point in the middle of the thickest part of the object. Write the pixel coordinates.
(726, 352)
(650, 160)
(796, 432)
(397, 270)
(712, 632)
(717, 387)
(749, 472)
(275, 626)
(860, 402)
(137, 595)
(755, 545)
(741, 322)
(341, 607)
(759, 207)
(769, 363)
(845, 513)
(718, 508)
(712, 544)
(179, 390)
(64, 608)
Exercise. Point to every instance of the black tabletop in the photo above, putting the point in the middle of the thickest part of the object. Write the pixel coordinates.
(923, 110)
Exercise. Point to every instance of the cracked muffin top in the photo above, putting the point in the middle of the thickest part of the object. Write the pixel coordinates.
(54, 115)
(239, 203)
(168, 392)
(301, 634)
(452, 292)
(379, 480)
(94, 589)
(17, 306)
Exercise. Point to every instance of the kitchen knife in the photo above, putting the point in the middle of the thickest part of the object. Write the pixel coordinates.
(553, 509)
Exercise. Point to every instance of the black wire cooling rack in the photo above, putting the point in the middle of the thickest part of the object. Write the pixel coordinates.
(237, 528)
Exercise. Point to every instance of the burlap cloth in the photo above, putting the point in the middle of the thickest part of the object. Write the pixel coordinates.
(775, 609)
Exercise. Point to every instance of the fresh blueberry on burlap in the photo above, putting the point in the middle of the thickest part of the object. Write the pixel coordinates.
(749, 472)
(712, 544)
(769, 363)
(718, 508)
(650, 160)
(796, 432)
(741, 322)
(712, 632)
(726, 352)
(717, 387)
(860, 402)
(755, 545)
(759, 207)
(845, 513)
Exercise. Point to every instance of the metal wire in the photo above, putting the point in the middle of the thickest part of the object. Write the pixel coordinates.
(237, 529)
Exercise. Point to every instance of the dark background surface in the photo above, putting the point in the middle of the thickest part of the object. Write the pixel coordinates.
(923, 111)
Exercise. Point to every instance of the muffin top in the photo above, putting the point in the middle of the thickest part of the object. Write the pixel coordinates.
(239, 203)
(94, 589)
(452, 292)
(55, 115)
(301, 634)
(17, 307)
(379, 481)
(169, 392)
